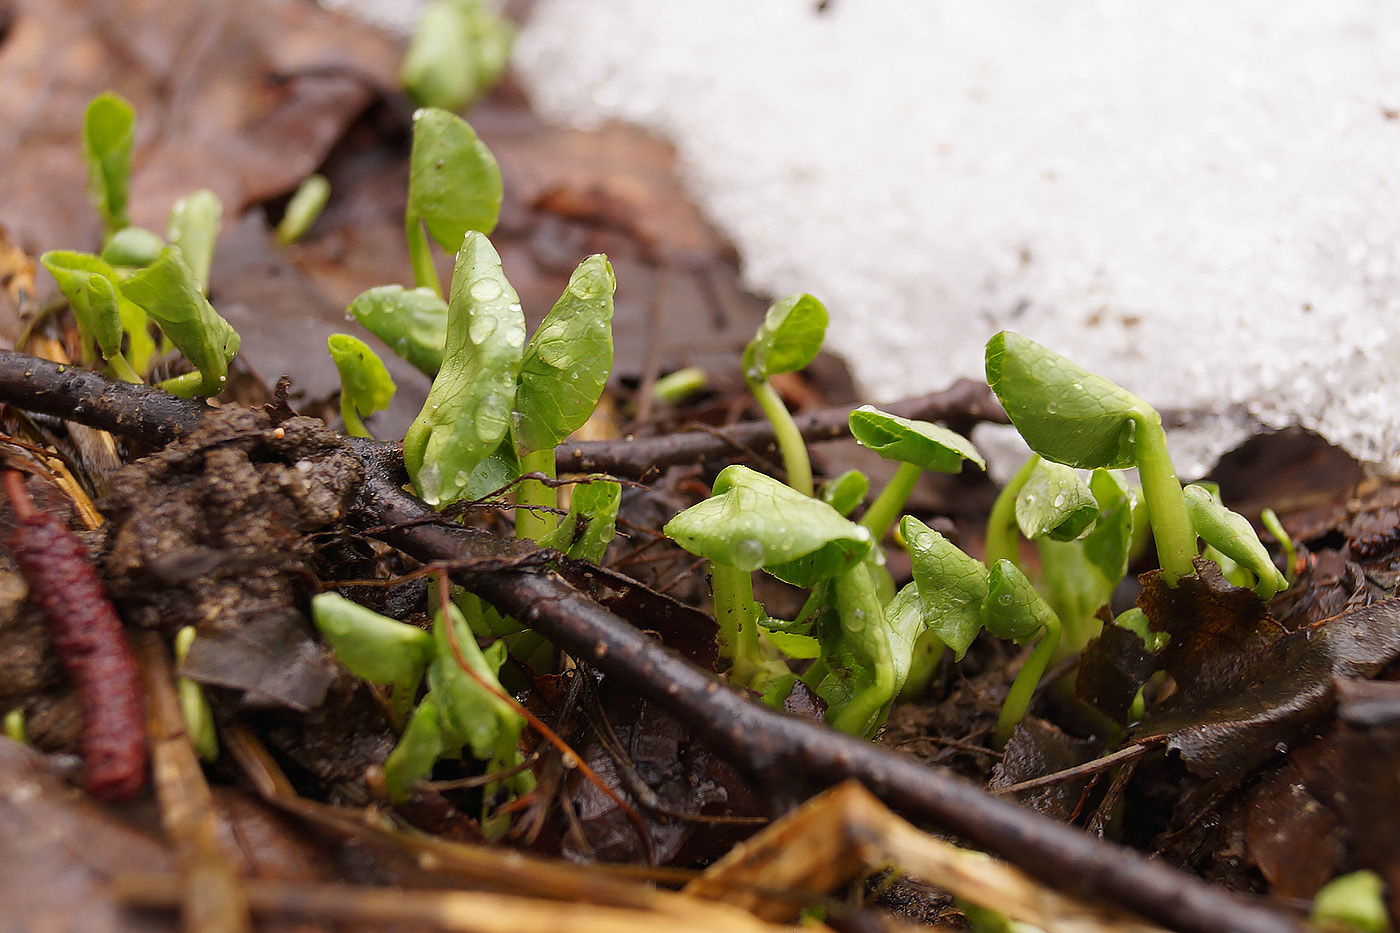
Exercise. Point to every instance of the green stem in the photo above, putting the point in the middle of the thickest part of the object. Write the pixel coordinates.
(863, 619)
(736, 613)
(532, 523)
(1003, 534)
(928, 652)
(887, 505)
(420, 255)
(1018, 698)
(122, 369)
(789, 439)
(354, 427)
(1166, 504)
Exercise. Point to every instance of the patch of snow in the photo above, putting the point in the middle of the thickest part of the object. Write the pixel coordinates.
(1200, 201)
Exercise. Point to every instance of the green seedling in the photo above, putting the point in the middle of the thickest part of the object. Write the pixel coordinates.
(468, 410)
(373, 647)
(1270, 520)
(302, 210)
(753, 522)
(1015, 611)
(1230, 534)
(845, 492)
(459, 50)
(674, 388)
(194, 705)
(562, 375)
(132, 248)
(1071, 416)
(109, 138)
(413, 321)
(13, 727)
(589, 527)
(365, 384)
(1353, 903)
(788, 340)
(91, 286)
(194, 228)
(916, 446)
(167, 291)
(454, 188)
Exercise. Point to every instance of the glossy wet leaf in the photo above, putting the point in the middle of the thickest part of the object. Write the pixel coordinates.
(754, 522)
(857, 649)
(1055, 503)
(1108, 545)
(951, 586)
(194, 227)
(921, 443)
(412, 321)
(303, 209)
(1013, 609)
(371, 646)
(167, 291)
(132, 248)
(454, 184)
(468, 409)
(846, 491)
(1232, 535)
(1064, 412)
(459, 49)
(109, 136)
(365, 384)
(419, 748)
(567, 361)
(589, 527)
(789, 338)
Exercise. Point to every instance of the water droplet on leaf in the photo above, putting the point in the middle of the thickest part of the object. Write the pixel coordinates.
(485, 289)
(749, 554)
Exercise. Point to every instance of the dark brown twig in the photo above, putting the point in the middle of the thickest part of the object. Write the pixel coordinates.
(764, 742)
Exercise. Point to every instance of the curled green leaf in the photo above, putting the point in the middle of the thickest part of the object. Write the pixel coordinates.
(412, 321)
(302, 210)
(922, 443)
(567, 361)
(789, 339)
(371, 646)
(1013, 609)
(951, 586)
(133, 248)
(591, 523)
(846, 491)
(365, 385)
(1055, 503)
(419, 748)
(1231, 534)
(754, 522)
(167, 291)
(468, 409)
(89, 284)
(194, 227)
(454, 184)
(109, 137)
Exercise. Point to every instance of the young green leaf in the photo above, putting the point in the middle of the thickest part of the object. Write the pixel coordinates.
(1065, 413)
(413, 321)
(846, 491)
(167, 291)
(588, 529)
(469, 406)
(194, 705)
(89, 284)
(754, 522)
(194, 227)
(1108, 545)
(458, 52)
(303, 209)
(420, 746)
(789, 338)
(1353, 903)
(365, 385)
(861, 673)
(1055, 503)
(371, 646)
(1232, 535)
(1015, 611)
(951, 586)
(454, 184)
(921, 443)
(132, 248)
(567, 362)
(109, 136)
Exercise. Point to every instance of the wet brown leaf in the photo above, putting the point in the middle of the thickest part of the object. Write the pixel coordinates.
(1038, 748)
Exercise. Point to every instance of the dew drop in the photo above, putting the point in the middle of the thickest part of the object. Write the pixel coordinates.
(1051, 407)
(481, 327)
(1059, 502)
(430, 483)
(1004, 599)
(749, 554)
(485, 289)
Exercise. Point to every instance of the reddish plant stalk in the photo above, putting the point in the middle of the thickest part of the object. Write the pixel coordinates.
(91, 643)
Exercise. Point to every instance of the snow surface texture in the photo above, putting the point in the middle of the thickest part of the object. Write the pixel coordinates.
(1197, 200)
